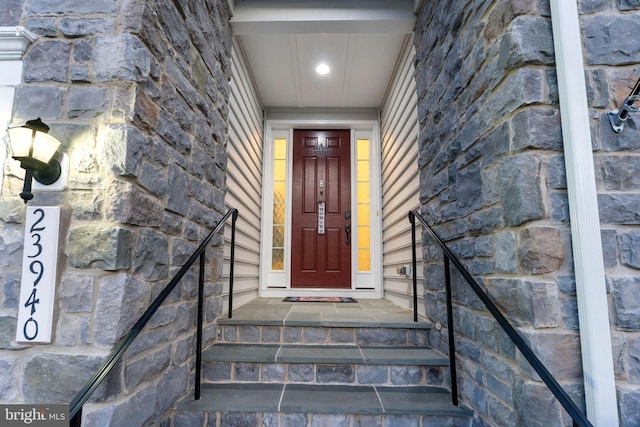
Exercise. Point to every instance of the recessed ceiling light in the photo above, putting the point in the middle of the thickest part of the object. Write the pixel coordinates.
(323, 69)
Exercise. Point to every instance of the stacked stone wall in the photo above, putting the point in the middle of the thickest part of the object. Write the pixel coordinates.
(10, 11)
(613, 68)
(137, 91)
(493, 184)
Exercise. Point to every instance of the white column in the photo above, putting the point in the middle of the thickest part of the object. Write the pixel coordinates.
(595, 332)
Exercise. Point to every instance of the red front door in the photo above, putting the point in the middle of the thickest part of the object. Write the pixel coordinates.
(321, 220)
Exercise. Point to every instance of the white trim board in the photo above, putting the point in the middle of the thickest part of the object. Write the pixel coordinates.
(363, 284)
(14, 42)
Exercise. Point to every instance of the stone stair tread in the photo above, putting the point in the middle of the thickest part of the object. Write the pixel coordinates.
(403, 355)
(343, 319)
(254, 397)
(323, 354)
(367, 313)
(330, 399)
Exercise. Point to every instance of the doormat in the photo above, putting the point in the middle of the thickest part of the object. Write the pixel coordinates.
(319, 299)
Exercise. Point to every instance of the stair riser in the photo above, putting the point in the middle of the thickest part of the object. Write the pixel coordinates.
(350, 374)
(251, 419)
(322, 335)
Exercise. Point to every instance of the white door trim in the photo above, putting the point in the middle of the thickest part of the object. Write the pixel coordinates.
(277, 283)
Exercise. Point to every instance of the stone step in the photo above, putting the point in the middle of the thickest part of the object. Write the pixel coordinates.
(283, 364)
(322, 334)
(276, 405)
(297, 353)
(324, 364)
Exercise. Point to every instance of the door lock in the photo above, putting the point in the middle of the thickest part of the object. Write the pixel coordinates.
(347, 215)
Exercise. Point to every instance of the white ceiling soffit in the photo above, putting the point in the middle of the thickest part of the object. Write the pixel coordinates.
(322, 16)
(284, 40)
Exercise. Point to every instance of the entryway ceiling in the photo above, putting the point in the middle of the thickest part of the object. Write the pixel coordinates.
(284, 41)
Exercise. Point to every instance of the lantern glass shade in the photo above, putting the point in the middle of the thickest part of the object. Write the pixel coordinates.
(33, 148)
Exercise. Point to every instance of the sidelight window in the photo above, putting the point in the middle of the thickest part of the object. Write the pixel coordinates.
(363, 204)
(279, 203)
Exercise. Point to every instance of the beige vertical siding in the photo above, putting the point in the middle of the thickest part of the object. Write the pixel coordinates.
(400, 179)
(244, 180)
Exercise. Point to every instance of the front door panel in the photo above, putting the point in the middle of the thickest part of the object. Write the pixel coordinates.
(321, 250)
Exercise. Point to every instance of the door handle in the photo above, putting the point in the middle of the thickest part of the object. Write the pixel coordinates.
(347, 228)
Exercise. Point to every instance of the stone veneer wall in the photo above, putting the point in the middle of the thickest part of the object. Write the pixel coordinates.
(10, 11)
(493, 183)
(613, 67)
(138, 93)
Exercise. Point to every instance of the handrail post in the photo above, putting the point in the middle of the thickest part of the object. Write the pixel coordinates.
(412, 220)
(199, 325)
(452, 345)
(234, 218)
(76, 420)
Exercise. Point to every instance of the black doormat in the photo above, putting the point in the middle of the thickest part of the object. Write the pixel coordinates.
(319, 299)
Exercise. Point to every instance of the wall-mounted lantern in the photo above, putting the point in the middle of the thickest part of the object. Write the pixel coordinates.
(619, 116)
(35, 149)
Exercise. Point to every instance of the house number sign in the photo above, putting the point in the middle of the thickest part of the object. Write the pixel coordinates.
(39, 265)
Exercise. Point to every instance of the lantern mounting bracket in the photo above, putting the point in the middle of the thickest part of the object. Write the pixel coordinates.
(619, 116)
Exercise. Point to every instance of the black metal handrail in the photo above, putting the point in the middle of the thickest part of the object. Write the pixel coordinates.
(75, 407)
(579, 418)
